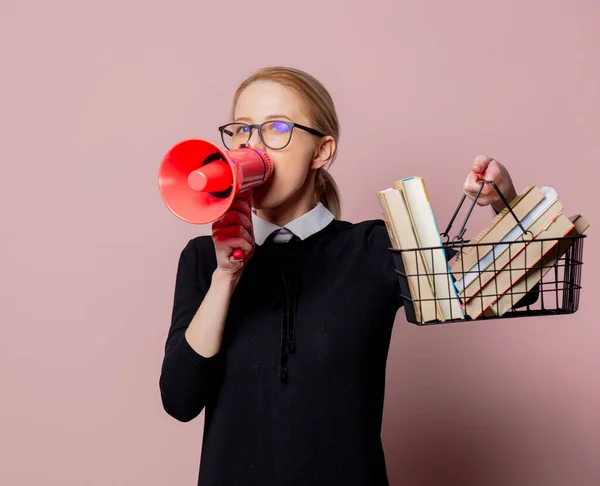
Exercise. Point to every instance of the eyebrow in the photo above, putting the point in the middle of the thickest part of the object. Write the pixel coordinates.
(270, 117)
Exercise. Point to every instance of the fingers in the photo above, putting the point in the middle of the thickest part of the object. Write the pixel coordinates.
(494, 174)
(236, 232)
(227, 244)
(241, 205)
(483, 168)
(240, 212)
(233, 232)
(231, 238)
(480, 164)
(233, 218)
(486, 168)
(472, 184)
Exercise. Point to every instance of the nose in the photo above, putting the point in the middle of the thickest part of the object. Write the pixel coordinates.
(255, 141)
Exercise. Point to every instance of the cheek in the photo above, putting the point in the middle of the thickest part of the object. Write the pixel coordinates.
(290, 167)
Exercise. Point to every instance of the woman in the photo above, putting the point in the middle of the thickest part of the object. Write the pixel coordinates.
(286, 350)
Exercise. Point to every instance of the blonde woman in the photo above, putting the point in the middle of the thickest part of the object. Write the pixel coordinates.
(286, 351)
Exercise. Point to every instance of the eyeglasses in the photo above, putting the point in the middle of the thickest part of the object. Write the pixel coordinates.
(274, 134)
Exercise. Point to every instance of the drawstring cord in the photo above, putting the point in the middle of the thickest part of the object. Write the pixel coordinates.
(284, 331)
(288, 339)
(288, 317)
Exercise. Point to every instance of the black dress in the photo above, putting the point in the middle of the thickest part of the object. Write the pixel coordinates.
(295, 394)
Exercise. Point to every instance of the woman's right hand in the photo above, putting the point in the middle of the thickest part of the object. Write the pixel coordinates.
(232, 231)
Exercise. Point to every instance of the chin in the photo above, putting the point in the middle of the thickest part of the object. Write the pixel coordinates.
(271, 196)
(264, 202)
(263, 197)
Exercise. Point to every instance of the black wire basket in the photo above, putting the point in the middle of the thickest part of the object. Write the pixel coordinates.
(529, 277)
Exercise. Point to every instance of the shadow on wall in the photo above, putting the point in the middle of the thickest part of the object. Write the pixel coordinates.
(505, 442)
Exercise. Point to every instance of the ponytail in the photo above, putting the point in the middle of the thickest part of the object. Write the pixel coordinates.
(327, 192)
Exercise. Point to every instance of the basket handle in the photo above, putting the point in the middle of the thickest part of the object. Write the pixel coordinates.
(463, 228)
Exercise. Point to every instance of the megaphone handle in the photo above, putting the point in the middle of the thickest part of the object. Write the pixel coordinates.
(238, 254)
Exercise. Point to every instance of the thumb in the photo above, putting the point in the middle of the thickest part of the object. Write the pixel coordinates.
(472, 183)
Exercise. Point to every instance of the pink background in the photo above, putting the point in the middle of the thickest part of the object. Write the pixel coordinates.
(94, 93)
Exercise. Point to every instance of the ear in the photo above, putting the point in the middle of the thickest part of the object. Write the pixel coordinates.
(323, 152)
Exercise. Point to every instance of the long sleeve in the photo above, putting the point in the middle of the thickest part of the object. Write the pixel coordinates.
(378, 243)
(187, 378)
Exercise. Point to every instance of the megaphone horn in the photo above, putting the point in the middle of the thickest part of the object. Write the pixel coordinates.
(198, 181)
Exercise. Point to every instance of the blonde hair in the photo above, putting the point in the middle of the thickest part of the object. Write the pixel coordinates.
(322, 113)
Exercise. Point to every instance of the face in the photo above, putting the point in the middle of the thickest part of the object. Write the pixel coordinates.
(267, 100)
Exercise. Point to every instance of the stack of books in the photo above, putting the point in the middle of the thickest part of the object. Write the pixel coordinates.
(494, 270)
(506, 262)
(411, 225)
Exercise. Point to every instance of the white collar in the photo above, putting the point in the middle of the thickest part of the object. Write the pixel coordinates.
(304, 226)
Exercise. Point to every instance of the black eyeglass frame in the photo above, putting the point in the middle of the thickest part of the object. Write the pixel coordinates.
(259, 126)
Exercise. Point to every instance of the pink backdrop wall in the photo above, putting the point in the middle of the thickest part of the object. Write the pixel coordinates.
(94, 93)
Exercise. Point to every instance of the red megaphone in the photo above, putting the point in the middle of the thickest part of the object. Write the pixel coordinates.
(198, 181)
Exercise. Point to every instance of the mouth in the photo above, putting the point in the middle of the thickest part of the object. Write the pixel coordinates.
(263, 188)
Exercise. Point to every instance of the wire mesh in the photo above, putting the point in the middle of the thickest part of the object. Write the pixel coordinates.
(542, 278)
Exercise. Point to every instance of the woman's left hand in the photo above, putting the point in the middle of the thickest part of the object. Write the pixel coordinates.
(488, 169)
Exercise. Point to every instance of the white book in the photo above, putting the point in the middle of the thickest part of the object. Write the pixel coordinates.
(428, 235)
(402, 236)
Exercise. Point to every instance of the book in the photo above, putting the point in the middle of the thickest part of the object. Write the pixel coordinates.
(498, 238)
(507, 277)
(497, 229)
(423, 308)
(483, 276)
(425, 228)
(535, 275)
